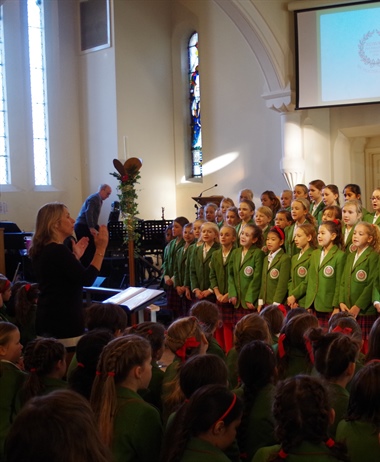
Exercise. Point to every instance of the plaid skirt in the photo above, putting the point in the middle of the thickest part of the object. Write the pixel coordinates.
(174, 301)
(366, 323)
(226, 312)
(323, 319)
(240, 312)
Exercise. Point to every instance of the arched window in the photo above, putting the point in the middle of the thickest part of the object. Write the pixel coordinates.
(195, 107)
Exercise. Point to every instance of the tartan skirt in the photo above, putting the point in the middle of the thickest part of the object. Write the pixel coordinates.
(226, 312)
(366, 323)
(323, 319)
(240, 312)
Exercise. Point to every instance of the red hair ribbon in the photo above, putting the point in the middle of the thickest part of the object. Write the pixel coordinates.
(7, 284)
(345, 330)
(282, 308)
(98, 373)
(134, 326)
(190, 342)
(230, 407)
(80, 365)
(111, 374)
(282, 454)
(27, 287)
(281, 349)
(279, 231)
(150, 332)
(330, 443)
(33, 369)
(309, 348)
(337, 222)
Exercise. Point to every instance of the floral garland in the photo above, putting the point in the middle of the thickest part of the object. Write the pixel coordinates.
(128, 200)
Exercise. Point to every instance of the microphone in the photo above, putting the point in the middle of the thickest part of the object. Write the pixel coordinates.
(215, 185)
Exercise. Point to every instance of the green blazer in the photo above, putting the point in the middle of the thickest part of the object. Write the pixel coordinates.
(317, 212)
(200, 269)
(219, 271)
(323, 282)
(357, 281)
(290, 247)
(152, 394)
(298, 274)
(180, 266)
(238, 228)
(339, 398)
(259, 426)
(190, 252)
(137, 432)
(362, 440)
(305, 452)
(169, 263)
(369, 218)
(202, 451)
(275, 280)
(11, 381)
(244, 278)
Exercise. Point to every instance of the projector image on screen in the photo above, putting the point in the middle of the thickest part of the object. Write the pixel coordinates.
(338, 55)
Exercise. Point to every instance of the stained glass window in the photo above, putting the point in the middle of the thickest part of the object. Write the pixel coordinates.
(4, 149)
(195, 107)
(38, 92)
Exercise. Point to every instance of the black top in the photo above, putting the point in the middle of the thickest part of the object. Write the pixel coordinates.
(61, 278)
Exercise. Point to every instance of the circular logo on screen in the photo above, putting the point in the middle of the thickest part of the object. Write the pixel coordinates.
(302, 272)
(361, 275)
(328, 271)
(248, 270)
(369, 48)
(274, 273)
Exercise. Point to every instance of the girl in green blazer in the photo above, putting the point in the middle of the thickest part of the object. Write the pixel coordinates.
(11, 377)
(244, 272)
(276, 270)
(359, 277)
(204, 427)
(315, 194)
(306, 240)
(200, 262)
(325, 273)
(305, 438)
(374, 218)
(246, 210)
(300, 214)
(183, 291)
(351, 215)
(128, 425)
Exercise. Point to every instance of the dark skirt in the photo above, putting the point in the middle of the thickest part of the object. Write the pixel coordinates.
(241, 312)
(366, 323)
(227, 312)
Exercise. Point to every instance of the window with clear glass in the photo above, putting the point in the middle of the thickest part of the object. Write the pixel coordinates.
(38, 92)
(195, 106)
(4, 148)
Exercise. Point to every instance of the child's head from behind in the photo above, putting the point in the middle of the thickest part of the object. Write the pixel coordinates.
(364, 403)
(106, 316)
(274, 317)
(154, 332)
(10, 346)
(185, 338)
(335, 354)
(302, 411)
(346, 324)
(207, 314)
(251, 327)
(5, 288)
(59, 426)
(256, 365)
(43, 355)
(201, 370)
(374, 342)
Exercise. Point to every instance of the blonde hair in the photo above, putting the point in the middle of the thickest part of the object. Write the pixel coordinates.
(374, 232)
(265, 211)
(306, 206)
(357, 204)
(310, 230)
(116, 361)
(214, 227)
(227, 200)
(48, 217)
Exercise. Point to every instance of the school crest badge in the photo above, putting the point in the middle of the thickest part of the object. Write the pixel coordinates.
(328, 271)
(352, 248)
(248, 271)
(301, 271)
(361, 275)
(274, 273)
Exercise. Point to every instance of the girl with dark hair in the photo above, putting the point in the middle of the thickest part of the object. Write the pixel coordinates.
(5, 295)
(127, 424)
(276, 270)
(335, 357)
(325, 273)
(45, 360)
(302, 413)
(257, 371)
(315, 195)
(360, 430)
(25, 307)
(269, 199)
(374, 342)
(204, 427)
(294, 355)
(353, 192)
(274, 315)
(283, 218)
